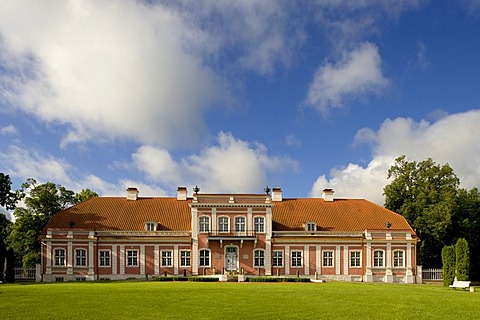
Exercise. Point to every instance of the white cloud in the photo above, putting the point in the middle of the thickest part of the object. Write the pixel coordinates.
(108, 69)
(232, 165)
(357, 74)
(452, 139)
(292, 140)
(10, 129)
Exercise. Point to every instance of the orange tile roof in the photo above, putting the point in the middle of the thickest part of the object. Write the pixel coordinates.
(118, 213)
(338, 215)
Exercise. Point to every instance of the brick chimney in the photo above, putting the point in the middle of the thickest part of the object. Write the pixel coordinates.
(132, 193)
(182, 193)
(277, 194)
(327, 194)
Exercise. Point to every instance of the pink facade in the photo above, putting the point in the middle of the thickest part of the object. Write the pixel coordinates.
(249, 235)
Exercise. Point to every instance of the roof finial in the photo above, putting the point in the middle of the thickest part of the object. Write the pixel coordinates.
(267, 190)
(196, 189)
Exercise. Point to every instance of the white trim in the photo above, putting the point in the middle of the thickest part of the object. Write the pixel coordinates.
(318, 258)
(122, 259)
(287, 260)
(346, 258)
(195, 257)
(337, 260)
(156, 257)
(306, 260)
(114, 259)
(175, 259)
(69, 257)
(91, 258)
(142, 259)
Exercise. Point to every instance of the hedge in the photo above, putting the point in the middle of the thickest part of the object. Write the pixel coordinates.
(193, 279)
(276, 279)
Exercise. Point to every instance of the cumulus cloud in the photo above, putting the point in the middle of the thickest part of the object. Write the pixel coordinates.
(231, 165)
(10, 129)
(453, 139)
(358, 73)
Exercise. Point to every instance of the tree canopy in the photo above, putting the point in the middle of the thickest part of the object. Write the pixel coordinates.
(8, 199)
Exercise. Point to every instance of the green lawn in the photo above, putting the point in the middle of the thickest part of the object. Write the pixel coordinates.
(188, 300)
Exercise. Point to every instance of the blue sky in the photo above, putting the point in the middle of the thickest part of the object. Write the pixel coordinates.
(235, 95)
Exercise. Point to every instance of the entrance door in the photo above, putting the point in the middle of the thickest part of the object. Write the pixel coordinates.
(231, 258)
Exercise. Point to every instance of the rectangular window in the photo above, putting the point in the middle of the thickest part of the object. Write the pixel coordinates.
(150, 226)
(132, 258)
(398, 258)
(259, 224)
(296, 258)
(328, 258)
(184, 258)
(204, 258)
(81, 257)
(59, 257)
(355, 258)
(378, 258)
(223, 224)
(167, 258)
(104, 258)
(239, 224)
(259, 258)
(278, 258)
(204, 223)
(311, 226)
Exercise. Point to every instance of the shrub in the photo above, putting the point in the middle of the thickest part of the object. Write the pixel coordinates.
(170, 279)
(203, 279)
(276, 279)
(462, 254)
(448, 262)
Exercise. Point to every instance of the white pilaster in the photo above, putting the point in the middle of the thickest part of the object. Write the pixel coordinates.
(175, 259)
(345, 260)
(318, 258)
(142, 259)
(214, 219)
(337, 259)
(195, 257)
(49, 257)
(114, 259)
(194, 223)
(287, 260)
(268, 258)
(156, 262)
(122, 259)
(249, 226)
(91, 251)
(69, 257)
(368, 271)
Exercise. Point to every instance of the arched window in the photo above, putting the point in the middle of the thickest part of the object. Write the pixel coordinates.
(239, 224)
(204, 224)
(259, 224)
(223, 224)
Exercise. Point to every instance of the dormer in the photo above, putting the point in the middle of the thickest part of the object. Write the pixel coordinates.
(310, 226)
(151, 226)
(132, 193)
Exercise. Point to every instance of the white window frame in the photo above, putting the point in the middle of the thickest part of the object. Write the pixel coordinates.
(132, 258)
(185, 258)
(205, 258)
(258, 258)
(259, 224)
(103, 258)
(400, 259)
(378, 260)
(204, 224)
(277, 256)
(356, 262)
(151, 226)
(222, 223)
(296, 258)
(167, 258)
(81, 259)
(328, 258)
(59, 257)
(311, 226)
(240, 224)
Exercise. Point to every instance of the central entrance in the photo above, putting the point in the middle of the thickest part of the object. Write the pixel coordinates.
(231, 258)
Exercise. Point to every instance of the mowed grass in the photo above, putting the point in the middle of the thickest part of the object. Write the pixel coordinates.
(187, 300)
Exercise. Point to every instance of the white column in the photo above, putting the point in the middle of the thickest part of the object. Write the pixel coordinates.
(368, 271)
(214, 219)
(49, 257)
(249, 226)
(306, 260)
(156, 262)
(175, 259)
(142, 259)
(409, 272)
(337, 259)
(69, 258)
(389, 260)
(114, 259)
(195, 257)
(91, 257)
(268, 258)
(319, 259)
(287, 260)
(268, 223)
(122, 259)
(194, 223)
(345, 260)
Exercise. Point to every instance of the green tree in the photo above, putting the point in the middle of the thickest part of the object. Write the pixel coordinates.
(83, 195)
(466, 223)
(8, 199)
(462, 255)
(42, 202)
(425, 194)
(449, 262)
